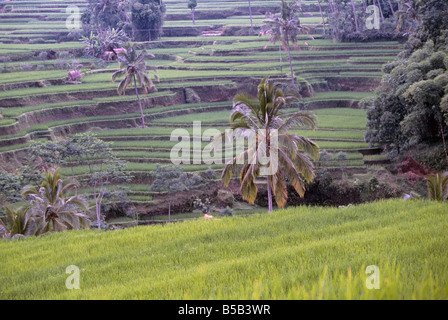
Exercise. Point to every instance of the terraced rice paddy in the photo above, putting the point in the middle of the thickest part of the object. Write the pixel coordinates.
(36, 103)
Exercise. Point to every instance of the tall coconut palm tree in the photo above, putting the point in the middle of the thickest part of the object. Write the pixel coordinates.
(294, 154)
(133, 67)
(51, 207)
(285, 28)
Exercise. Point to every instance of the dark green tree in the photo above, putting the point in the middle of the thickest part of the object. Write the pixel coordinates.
(101, 15)
(103, 167)
(147, 18)
(409, 108)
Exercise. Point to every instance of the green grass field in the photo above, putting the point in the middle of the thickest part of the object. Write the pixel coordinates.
(297, 253)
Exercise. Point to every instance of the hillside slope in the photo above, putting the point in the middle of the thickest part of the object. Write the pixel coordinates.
(291, 254)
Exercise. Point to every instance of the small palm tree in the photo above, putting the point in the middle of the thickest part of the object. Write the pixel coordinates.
(438, 186)
(285, 28)
(20, 221)
(50, 206)
(262, 117)
(133, 67)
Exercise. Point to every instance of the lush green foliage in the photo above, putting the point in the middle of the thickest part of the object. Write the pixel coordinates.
(147, 18)
(409, 108)
(173, 179)
(50, 209)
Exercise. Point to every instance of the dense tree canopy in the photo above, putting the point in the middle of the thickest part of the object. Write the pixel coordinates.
(142, 20)
(410, 107)
(147, 18)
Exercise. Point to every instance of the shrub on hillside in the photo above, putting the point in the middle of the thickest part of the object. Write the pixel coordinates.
(37, 41)
(210, 174)
(173, 179)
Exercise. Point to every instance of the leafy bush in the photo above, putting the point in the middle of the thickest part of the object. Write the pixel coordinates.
(204, 206)
(326, 156)
(191, 96)
(173, 179)
(37, 40)
(117, 204)
(42, 55)
(210, 174)
(341, 156)
(227, 212)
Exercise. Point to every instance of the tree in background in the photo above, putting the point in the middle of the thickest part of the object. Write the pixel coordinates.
(409, 110)
(142, 20)
(101, 15)
(346, 20)
(285, 28)
(95, 155)
(263, 118)
(409, 15)
(11, 184)
(192, 4)
(103, 167)
(147, 18)
(133, 67)
(322, 17)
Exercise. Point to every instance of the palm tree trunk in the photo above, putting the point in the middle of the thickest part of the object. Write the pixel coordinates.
(139, 103)
(290, 65)
(251, 23)
(381, 10)
(192, 15)
(281, 58)
(321, 15)
(97, 212)
(269, 194)
(355, 15)
(444, 143)
(392, 9)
